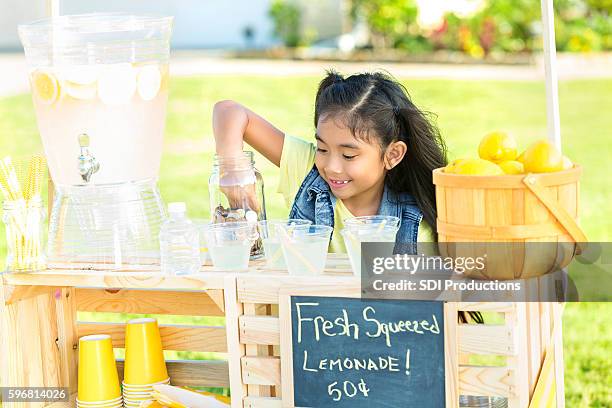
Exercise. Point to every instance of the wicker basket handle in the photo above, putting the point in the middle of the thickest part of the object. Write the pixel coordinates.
(565, 219)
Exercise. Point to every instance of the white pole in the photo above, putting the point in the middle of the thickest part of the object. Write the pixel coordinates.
(550, 71)
(53, 8)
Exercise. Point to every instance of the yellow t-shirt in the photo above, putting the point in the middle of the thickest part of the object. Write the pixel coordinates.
(297, 159)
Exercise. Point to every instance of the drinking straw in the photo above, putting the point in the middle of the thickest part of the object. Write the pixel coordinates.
(296, 253)
(279, 251)
(381, 226)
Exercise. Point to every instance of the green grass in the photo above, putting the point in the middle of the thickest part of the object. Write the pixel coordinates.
(466, 110)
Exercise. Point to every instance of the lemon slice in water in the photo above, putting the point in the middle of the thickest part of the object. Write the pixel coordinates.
(149, 82)
(79, 81)
(117, 84)
(45, 86)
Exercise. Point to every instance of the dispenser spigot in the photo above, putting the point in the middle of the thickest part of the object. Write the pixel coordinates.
(88, 165)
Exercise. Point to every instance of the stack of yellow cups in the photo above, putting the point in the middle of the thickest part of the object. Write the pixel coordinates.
(144, 361)
(98, 385)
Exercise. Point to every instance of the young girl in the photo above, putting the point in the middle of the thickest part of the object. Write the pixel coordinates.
(374, 154)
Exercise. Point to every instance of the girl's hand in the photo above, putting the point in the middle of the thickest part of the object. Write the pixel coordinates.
(240, 188)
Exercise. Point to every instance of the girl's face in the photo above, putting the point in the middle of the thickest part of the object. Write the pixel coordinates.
(349, 165)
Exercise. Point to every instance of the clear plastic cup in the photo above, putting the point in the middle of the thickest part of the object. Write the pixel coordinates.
(271, 241)
(371, 221)
(305, 247)
(355, 236)
(144, 356)
(98, 379)
(229, 244)
(202, 225)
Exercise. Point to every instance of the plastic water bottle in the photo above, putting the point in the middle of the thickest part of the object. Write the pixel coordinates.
(179, 242)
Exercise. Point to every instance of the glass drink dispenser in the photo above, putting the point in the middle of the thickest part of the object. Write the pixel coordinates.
(99, 85)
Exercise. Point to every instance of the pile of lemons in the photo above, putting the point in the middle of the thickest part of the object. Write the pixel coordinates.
(498, 155)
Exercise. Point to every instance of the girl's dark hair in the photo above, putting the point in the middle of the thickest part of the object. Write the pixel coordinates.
(374, 106)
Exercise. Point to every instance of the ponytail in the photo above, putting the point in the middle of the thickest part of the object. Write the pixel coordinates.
(425, 152)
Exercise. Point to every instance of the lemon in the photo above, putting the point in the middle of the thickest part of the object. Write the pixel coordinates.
(567, 163)
(512, 167)
(478, 167)
(542, 157)
(80, 81)
(520, 157)
(117, 84)
(497, 147)
(450, 167)
(45, 86)
(149, 82)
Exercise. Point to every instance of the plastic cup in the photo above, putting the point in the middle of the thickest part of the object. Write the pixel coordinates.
(202, 225)
(229, 244)
(371, 221)
(144, 357)
(97, 374)
(355, 236)
(271, 240)
(305, 247)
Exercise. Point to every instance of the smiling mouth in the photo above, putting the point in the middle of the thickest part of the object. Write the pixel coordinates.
(339, 183)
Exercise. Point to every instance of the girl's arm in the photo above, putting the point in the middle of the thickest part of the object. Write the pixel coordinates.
(233, 123)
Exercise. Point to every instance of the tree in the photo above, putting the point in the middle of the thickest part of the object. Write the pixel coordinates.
(390, 22)
(287, 19)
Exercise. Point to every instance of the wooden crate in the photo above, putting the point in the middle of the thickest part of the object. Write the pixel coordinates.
(40, 331)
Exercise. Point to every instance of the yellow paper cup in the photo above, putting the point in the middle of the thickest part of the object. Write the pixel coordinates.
(98, 378)
(144, 356)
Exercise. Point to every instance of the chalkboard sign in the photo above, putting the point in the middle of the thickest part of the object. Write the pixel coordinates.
(367, 353)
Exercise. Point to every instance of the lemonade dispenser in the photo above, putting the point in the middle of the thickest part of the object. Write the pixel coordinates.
(99, 85)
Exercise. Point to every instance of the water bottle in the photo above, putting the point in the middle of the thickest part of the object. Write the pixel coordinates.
(179, 242)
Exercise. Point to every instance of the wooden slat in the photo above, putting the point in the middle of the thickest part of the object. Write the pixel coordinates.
(147, 302)
(192, 373)
(519, 363)
(486, 339)
(485, 306)
(68, 404)
(174, 337)
(13, 294)
(261, 370)
(235, 350)
(263, 330)
(265, 289)
(557, 340)
(151, 279)
(451, 355)
(255, 389)
(48, 336)
(217, 296)
(262, 402)
(489, 381)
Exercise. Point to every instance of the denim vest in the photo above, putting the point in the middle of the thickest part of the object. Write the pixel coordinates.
(314, 201)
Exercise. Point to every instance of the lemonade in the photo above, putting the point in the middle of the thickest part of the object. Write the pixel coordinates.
(313, 251)
(268, 230)
(231, 256)
(121, 107)
(274, 253)
(229, 244)
(353, 238)
(99, 86)
(304, 247)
